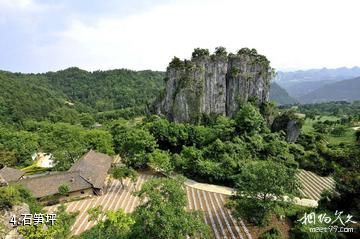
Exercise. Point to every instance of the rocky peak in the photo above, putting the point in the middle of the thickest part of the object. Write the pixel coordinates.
(213, 84)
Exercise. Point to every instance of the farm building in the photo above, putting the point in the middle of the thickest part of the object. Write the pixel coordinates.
(48, 185)
(86, 177)
(93, 167)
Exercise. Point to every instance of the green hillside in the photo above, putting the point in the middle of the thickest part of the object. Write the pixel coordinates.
(107, 90)
(37, 95)
(280, 96)
(85, 91)
(23, 96)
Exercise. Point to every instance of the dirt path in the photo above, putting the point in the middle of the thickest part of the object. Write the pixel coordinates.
(312, 187)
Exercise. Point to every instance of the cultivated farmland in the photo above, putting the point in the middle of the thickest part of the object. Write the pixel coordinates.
(216, 215)
(313, 185)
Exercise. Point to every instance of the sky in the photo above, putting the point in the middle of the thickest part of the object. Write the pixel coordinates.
(49, 35)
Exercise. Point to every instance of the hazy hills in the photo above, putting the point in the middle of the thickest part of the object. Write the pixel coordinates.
(346, 90)
(300, 83)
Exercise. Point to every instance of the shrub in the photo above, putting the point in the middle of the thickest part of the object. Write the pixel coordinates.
(220, 51)
(273, 233)
(200, 52)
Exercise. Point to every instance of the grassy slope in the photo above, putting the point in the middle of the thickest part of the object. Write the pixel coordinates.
(349, 136)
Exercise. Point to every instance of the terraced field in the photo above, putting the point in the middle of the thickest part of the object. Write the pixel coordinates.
(314, 185)
(116, 197)
(216, 215)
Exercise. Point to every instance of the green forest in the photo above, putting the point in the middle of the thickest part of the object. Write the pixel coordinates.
(65, 95)
(71, 111)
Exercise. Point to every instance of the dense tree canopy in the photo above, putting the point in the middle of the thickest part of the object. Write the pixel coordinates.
(66, 142)
(107, 90)
(59, 230)
(69, 112)
(116, 225)
(162, 213)
(260, 188)
(122, 172)
(248, 119)
(133, 144)
(200, 52)
(62, 95)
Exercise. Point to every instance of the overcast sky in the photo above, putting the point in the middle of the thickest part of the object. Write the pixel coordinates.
(44, 35)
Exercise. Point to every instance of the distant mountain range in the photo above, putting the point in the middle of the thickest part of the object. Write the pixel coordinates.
(346, 90)
(305, 85)
(298, 83)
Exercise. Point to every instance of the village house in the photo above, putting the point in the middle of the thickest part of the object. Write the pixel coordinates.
(86, 177)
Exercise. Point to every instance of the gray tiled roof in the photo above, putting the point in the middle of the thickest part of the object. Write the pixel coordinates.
(90, 171)
(47, 185)
(93, 167)
(10, 174)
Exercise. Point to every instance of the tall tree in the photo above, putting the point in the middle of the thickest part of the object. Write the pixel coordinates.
(99, 140)
(7, 157)
(248, 119)
(260, 188)
(162, 213)
(120, 173)
(118, 224)
(96, 215)
(133, 144)
(160, 160)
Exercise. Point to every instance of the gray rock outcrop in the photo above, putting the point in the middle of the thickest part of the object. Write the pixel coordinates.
(290, 123)
(293, 129)
(213, 84)
(8, 230)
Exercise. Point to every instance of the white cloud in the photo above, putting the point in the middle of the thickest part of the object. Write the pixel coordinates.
(22, 4)
(16, 8)
(300, 34)
(24, 13)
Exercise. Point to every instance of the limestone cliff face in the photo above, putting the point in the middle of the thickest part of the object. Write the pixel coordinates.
(246, 79)
(184, 90)
(213, 85)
